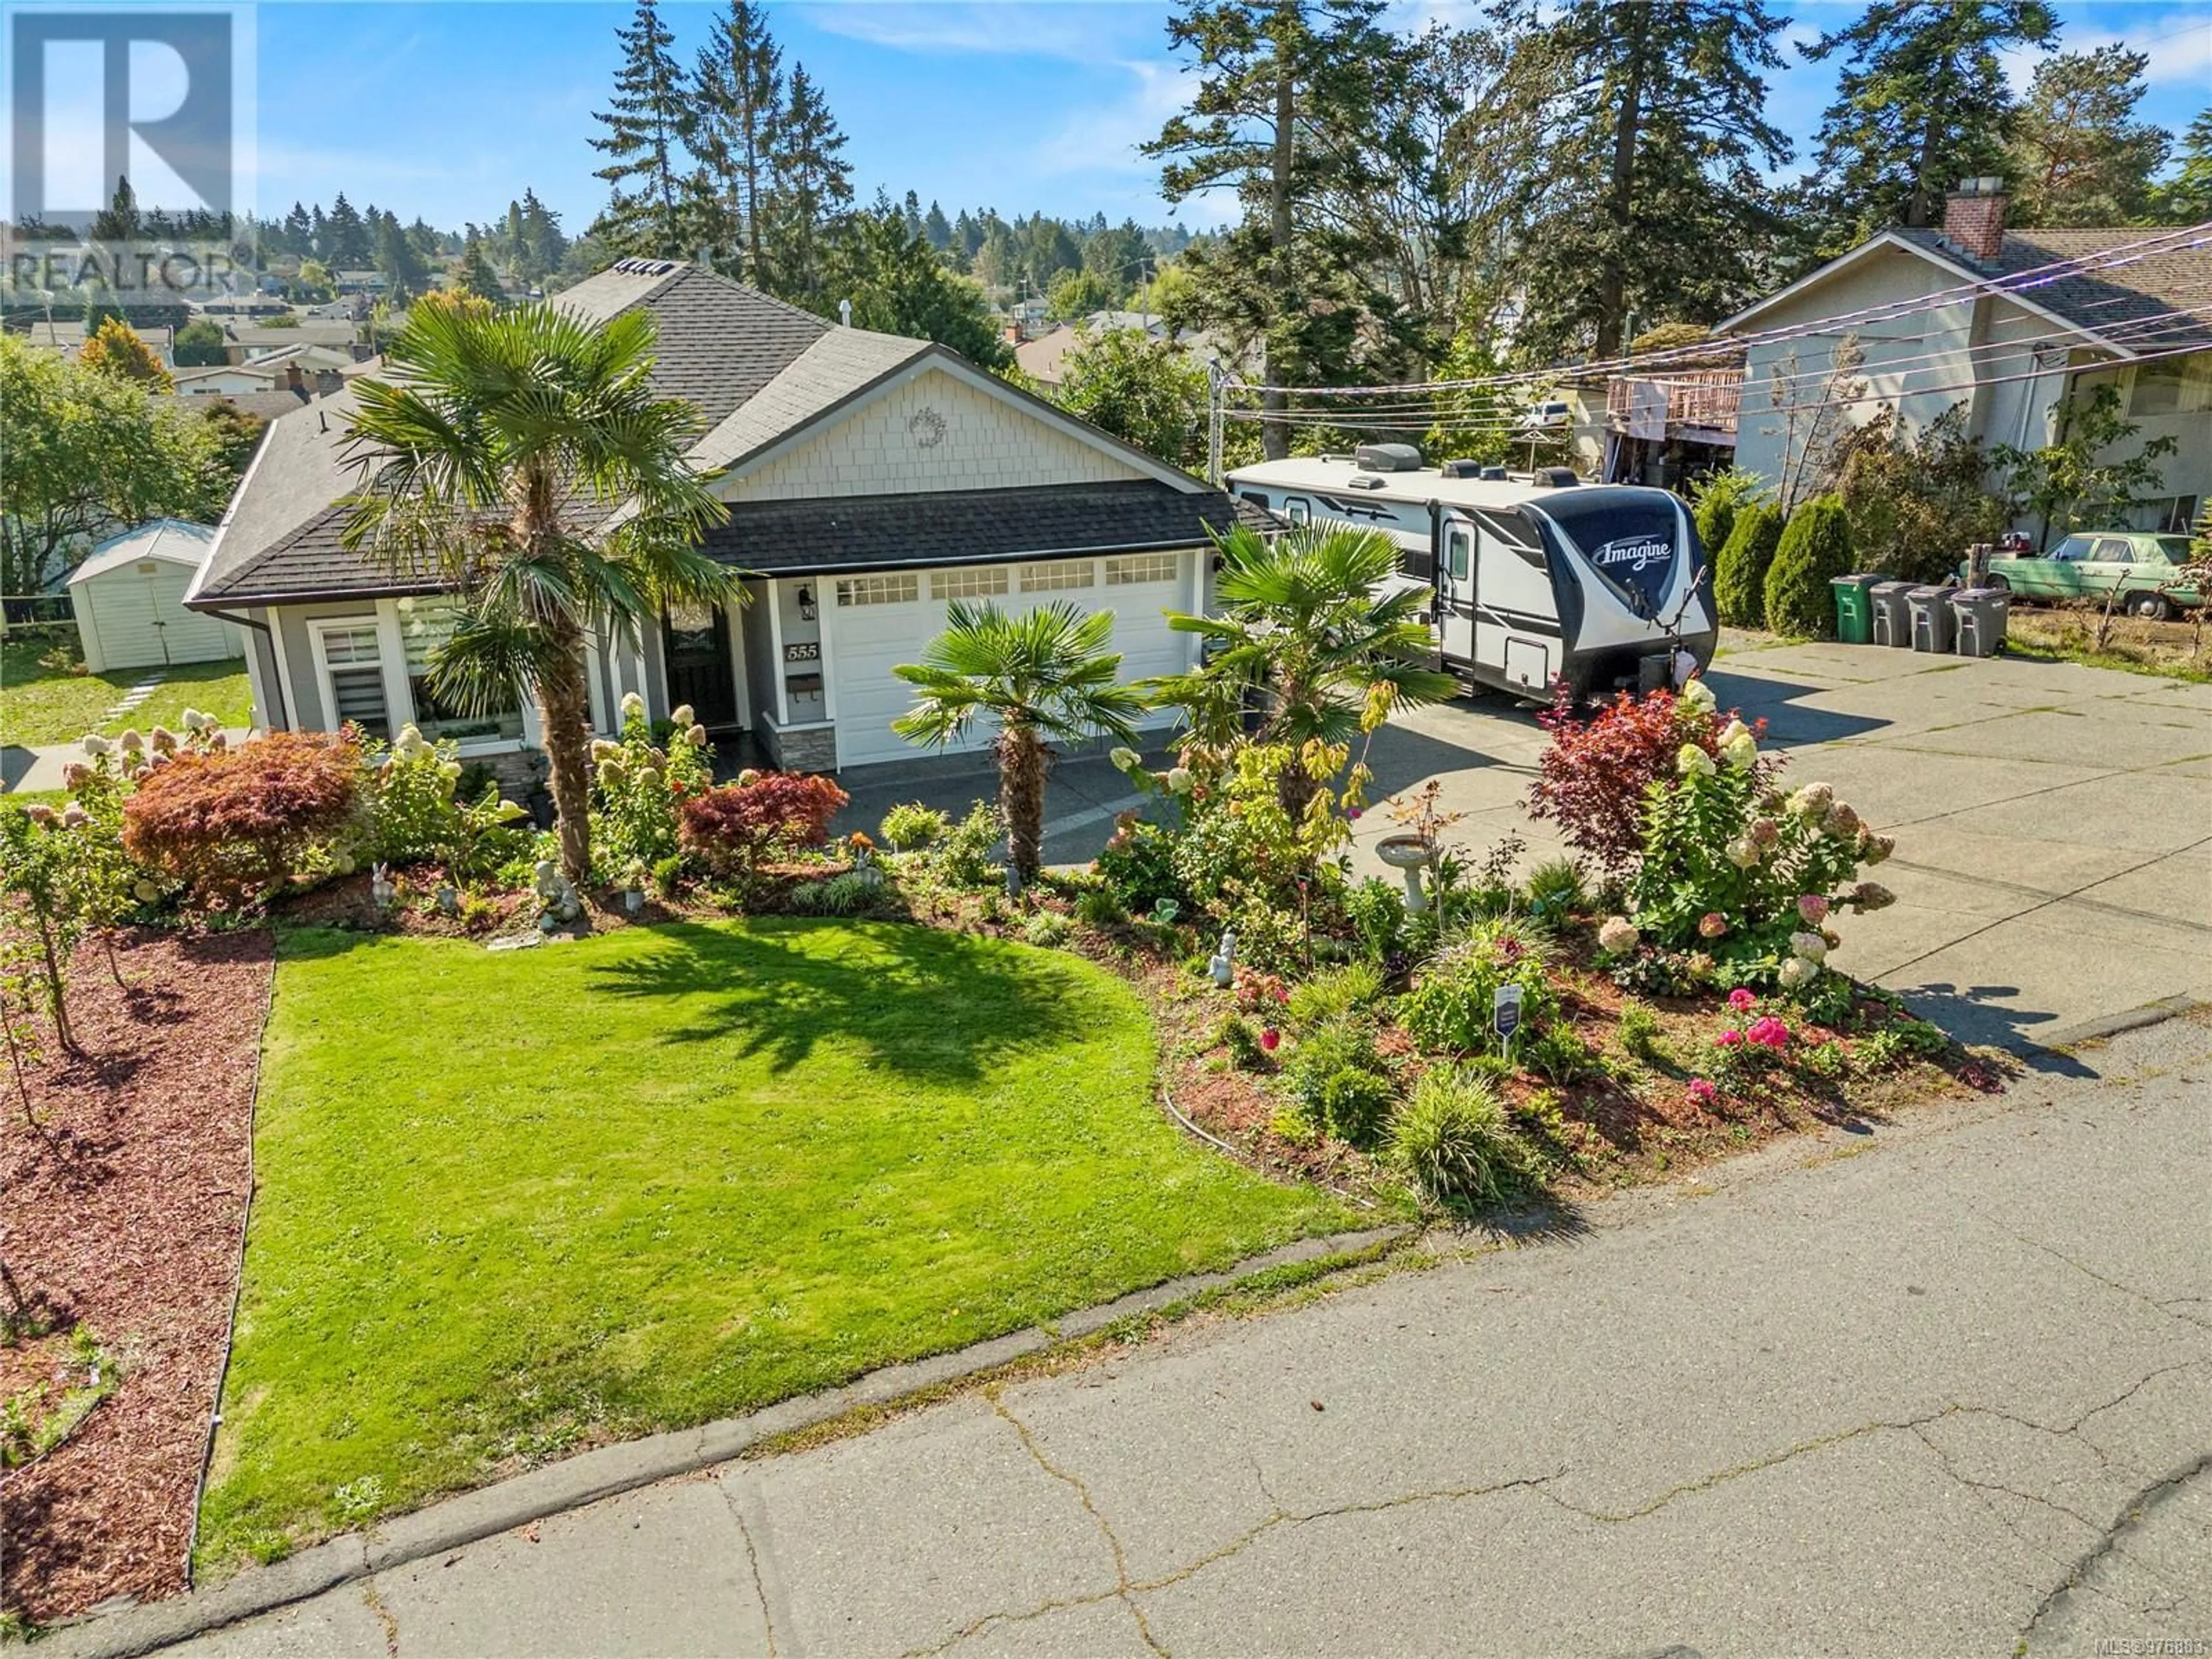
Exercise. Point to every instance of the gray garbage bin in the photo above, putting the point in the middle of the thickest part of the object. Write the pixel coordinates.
(1980, 614)
(1892, 616)
(1932, 620)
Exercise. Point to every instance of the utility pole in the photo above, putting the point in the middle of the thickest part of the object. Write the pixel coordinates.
(1213, 417)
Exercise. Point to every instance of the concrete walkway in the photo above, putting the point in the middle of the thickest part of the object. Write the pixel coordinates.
(24, 769)
(1952, 1396)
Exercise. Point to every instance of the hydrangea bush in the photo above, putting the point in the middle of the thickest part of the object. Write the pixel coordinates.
(639, 788)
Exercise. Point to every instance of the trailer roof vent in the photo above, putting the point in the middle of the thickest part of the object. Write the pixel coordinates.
(1462, 469)
(1493, 475)
(1554, 477)
(1366, 481)
(1388, 458)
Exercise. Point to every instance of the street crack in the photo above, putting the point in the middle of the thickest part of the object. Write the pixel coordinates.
(2111, 1539)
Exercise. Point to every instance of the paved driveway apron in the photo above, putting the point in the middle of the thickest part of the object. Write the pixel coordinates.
(2054, 823)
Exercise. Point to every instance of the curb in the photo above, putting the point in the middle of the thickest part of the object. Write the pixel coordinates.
(590, 1476)
(2067, 1038)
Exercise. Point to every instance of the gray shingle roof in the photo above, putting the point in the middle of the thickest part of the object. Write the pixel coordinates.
(978, 526)
(2130, 301)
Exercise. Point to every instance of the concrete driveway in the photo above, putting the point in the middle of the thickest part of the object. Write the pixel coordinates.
(2054, 823)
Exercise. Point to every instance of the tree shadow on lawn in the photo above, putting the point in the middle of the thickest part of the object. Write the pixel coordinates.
(938, 1008)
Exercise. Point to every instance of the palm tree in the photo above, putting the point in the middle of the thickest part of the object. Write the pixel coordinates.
(1310, 638)
(1047, 676)
(525, 458)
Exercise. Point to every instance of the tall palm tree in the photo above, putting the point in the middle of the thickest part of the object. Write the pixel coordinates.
(525, 458)
(1309, 636)
(1047, 677)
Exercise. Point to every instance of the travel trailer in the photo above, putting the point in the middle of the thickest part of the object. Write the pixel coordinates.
(1536, 577)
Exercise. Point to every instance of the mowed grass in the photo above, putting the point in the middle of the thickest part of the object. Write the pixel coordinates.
(512, 1203)
(40, 705)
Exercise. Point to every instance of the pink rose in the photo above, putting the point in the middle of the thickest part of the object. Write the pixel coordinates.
(1728, 1039)
(1740, 1000)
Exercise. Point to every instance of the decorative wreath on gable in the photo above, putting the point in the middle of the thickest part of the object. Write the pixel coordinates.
(928, 428)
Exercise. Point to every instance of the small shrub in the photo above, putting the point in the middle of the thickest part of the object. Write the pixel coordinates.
(1555, 891)
(1245, 1041)
(1337, 1079)
(845, 895)
(237, 822)
(1640, 1035)
(1815, 549)
(1376, 911)
(1334, 994)
(1557, 1056)
(1100, 906)
(1046, 929)
(641, 790)
(910, 828)
(1823, 1060)
(668, 875)
(1717, 501)
(1138, 864)
(1450, 1009)
(1741, 564)
(732, 829)
(1454, 1140)
(962, 858)
(1290, 1124)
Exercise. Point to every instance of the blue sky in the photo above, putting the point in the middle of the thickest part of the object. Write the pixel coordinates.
(448, 110)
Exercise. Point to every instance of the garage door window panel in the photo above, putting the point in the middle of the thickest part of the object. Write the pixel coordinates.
(855, 591)
(987, 581)
(1061, 576)
(1131, 569)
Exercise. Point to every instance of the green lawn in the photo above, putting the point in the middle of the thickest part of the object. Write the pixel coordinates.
(40, 705)
(510, 1202)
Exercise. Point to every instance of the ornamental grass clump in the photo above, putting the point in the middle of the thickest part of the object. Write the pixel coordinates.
(1451, 1009)
(1454, 1140)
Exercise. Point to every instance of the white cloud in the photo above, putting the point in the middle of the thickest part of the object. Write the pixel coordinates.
(2178, 43)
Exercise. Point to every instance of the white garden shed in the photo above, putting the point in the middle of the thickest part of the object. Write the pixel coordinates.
(129, 598)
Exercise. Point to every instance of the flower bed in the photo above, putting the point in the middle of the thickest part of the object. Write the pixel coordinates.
(120, 1234)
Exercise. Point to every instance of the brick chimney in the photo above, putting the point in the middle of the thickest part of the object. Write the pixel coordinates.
(293, 381)
(1974, 219)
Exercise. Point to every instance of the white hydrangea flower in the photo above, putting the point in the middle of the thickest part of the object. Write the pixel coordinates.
(1813, 800)
(1811, 946)
(1124, 759)
(633, 706)
(696, 736)
(1693, 762)
(1179, 780)
(1698, 697)
(97, 746)
(683, 716)
(1618, 934)
(1742, 851)
(1741, 751)
(130, 742)
(1797, 973)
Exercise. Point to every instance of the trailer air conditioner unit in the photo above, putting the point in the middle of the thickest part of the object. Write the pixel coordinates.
(1554, 477)
(1388, 458)
(1462, 469)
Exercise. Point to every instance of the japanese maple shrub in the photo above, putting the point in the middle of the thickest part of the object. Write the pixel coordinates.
(732, 829)
(235, 824)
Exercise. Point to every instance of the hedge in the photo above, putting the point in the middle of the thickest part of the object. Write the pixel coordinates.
(1815, 549)
(1740, 565)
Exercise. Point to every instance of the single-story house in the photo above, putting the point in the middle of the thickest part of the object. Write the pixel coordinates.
(870, 479)
(2015, 323)
(128, 594)
(68, 338)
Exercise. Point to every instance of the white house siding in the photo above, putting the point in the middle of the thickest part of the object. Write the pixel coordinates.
(885, 448)
(1925, 362)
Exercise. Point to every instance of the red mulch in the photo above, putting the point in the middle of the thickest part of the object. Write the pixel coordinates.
(122, 1216)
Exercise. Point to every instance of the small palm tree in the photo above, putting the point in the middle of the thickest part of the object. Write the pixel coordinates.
(1048, 678)
(525, 458)
(1309, 638)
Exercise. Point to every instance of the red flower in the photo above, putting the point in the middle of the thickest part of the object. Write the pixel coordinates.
(1270, 1039)
(1703, 1092)
(1728, 1039)
(1768, 1032)
(1740, 1000)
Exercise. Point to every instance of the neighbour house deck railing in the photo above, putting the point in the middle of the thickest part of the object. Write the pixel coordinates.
(1704, 398)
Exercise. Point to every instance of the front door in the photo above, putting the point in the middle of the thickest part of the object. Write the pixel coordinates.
(700, 670)
(1454, 579)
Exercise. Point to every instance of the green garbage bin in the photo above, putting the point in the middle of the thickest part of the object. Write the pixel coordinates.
(1854, 608)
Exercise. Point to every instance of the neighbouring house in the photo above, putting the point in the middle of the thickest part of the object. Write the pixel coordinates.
(1671, 421)
(128, 595)
(870, 480)
(246, 343)
(68, 337)
(1044, 358)
(2008, 323)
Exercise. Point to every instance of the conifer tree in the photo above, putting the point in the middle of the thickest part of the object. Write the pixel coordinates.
(644, 144)
(738, 92)
(810, 189)
(2079, 156)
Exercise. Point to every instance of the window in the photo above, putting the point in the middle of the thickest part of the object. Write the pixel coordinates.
(2074, 547)
(977, 583)
(1057, 577)
(2114, 549)
(879, 590)
(1456, 544)
(2176, 549)
(353, 675)
(1134, 568)
(1298, 509)
(424, 625)
(2177, 386)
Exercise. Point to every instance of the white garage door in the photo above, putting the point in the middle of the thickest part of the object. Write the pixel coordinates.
(879, 621)
(138, 615)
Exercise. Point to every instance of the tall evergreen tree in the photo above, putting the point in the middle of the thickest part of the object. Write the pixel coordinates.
(2079, 156)
(406, 274)
(343, 240)
(644, 144)
(2186, 198)
(118, 221)
(1921, 103)
(473, 274)
(739, 93)
(810, 189)
(898, 285)
(1276, 79)
(937, 228)
(1652, 201)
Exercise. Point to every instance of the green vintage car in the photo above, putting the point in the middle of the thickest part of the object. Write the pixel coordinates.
(2090, 564)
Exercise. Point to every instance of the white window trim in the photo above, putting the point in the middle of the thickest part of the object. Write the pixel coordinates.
(1173, 559)
(1088, 566)
(396, 707)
